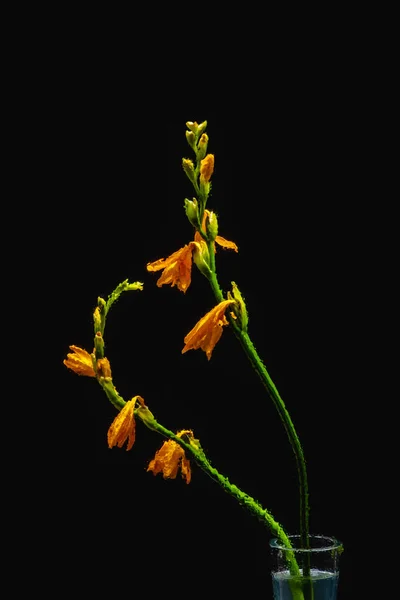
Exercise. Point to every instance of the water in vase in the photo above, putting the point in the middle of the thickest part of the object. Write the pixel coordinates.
(325, 585)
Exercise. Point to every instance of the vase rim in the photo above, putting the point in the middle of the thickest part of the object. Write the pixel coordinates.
(329, 543)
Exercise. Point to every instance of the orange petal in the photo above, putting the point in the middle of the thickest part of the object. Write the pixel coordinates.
(226, 243)
(186, 470)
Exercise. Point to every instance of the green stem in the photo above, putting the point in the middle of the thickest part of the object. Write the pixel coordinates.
(269, 385)
(244, 499)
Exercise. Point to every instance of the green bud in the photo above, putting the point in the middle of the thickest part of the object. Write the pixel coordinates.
(101, 303)
(201, 258)
(192, 211)
(212, 225)
(202, 147)
(205, 187)
(201, 127)
(239, 308)
(134, 286)
(192, 126)
(98, 321)
(191, 138)
(188, 167)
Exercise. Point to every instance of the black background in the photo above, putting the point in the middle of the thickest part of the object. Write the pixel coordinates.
(284, 191)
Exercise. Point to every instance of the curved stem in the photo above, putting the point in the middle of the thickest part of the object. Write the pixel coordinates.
(269, 385)
(244, 499)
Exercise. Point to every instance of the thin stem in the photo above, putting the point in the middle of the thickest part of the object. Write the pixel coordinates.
(269, 385)
(244, 499)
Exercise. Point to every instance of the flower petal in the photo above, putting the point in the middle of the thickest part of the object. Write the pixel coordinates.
(226, 243)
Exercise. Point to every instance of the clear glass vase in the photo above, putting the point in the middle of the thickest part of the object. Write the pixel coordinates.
(322, 560)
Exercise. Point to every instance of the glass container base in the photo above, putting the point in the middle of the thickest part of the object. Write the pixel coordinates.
(321, 558)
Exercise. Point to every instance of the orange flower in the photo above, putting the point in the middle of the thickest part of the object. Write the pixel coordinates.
(169, 458)
(206, 333)
(80, 362)
(123, 426)
(177, 268)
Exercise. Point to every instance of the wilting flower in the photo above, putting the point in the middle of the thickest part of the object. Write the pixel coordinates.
(80, 362)
(206, 333)
(123, 426)
(170, 457)
(177, 268)
(103, 367)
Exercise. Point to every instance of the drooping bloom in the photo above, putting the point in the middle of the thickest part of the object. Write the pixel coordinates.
(177, 268)
(206, 333)
(80, 362)
(169, 458)
(123, 426)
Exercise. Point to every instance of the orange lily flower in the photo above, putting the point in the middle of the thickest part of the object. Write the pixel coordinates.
(169, 458)
(177, 268)
(206, 333)
(80, 362)
(123, 426)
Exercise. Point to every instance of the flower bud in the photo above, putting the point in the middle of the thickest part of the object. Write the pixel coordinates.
(188, 167)
(201, 127)
(202, 146)
(239, 307)
(192, 212)
(192, 126)
(212, 225)
(201, 258)
(207, 168)
(137, 285)
(191, 138)
(97, 320)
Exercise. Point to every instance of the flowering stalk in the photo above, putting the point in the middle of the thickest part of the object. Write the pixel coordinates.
(173, 453)
(207, 227)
